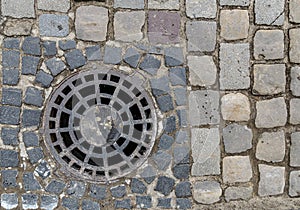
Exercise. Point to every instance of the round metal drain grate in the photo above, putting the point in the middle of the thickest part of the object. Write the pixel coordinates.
(100, 125)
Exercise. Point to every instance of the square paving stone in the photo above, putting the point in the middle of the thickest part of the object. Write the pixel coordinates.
(150, 64)
(75, 59)
(272, 180)
(165, 103)
(30, 65)
(294, 111)
(91, 23)
(30, 139)
(10, 59)
(30, 201)
(9, 200)
(207, 192)
(164, 203)
(55, 65)
(123, 204)
(35, 155)
(49, 48)
(294, 183)
(269, 12)
(11, 43)
(266, 48)
(90, 205)
(9, 158)
(10, 136)
(201, 36)
(132, 57)
(295, 80)
(55, 186)
(54, 25)
(166, 4)
(97, 192)
(49, 202)
(234, 24)
(295, 150)
(183, 190)
(165, 142)
(266, 117)
(34, 96)
(128, 25)
(206, 155)
(76, 189)
(11, 96)
(181, 154)
(294, 45)
(235, 2)
(31, 117)
(144, 202)
(181, 171)
(205, 76)
(180, 96)
(201, 8)
(177, 76)
(237, 169)
(129, 4)
(294, 11)
(271, 146)
(67, 44)
(112, 55)
(137, 186)
(237, 138)
(269, 79)
(174, 56)
(235, 66)
(238, 193)
(183, 203)
(44, 79)
(204, 107)
(9, 178)
(163, 27)
(10, 115)
(10, 76)
(30, 183)
(21, 9)
(31, 46)
(118, 191)
(93, 53)
(70, 203)
(54, 5)
(162, 161)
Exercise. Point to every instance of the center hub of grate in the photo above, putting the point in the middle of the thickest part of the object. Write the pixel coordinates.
(100, 125)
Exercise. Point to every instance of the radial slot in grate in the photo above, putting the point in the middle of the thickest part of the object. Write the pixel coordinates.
(100, 125)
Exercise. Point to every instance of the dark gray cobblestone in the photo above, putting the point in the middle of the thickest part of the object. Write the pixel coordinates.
(11, 96)
(10, 136)
(30, 65)
(30, 182)
(49, 202)
(34, 96)
(55, 186)
(9, 178)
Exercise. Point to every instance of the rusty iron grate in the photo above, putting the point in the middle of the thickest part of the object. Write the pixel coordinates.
(100, 125)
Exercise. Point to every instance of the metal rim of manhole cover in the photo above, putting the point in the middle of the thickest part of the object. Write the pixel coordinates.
(100, 125)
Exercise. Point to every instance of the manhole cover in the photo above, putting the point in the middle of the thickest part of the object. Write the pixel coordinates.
(100, 125)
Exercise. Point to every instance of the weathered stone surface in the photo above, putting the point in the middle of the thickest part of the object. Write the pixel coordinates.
(137, 186)
(204, 107)
(9, 178)
(10, 59)
(234, 24)
(30, 139)
(177, 76)
(295, 150)
(10, 136)
(237, 193)
(266, 117)
(160, 86)
(11, 43)
(164, 203)
(269, 12)
(234, 64)
(132, 57)
(166, 4)
(201, 36)
(123, 204)
(163, 27)
(76, 189)
(34, 96)
(10, 77)
(30, 201)
(165, 103)
(54, 25)
(148, 174)
(11, 96)
(49, 202)
(181, 171)
(266, 48)
(112, 55)
(235, 2)
(235, 107)
(237, 138)
(55, 65)
(67, 44)
(88, 204)
(174, 56)
(294, 182)
(55, 186)
(91, 23)
(294, 45)
(75, 59)
(269, 79)
(30, 182)
(162, 160)
(44, 79)
(271, 180)
(271, 147)
(180, 96)
(144, 202)
(236, 169)
(17, 27)
(200, 8)
(54, 5)
(30, 65)
(181, 154)
(21, 9)
(207, 192)
(97, 192)
(165, 185)
(32, 46)
(165, 142)
(129, 4)
(118, 191)
(183, 189)
(294, 11)
(93, 53)
(128, 25)
(10, 115)
(205, 151)
(169, 124)
(43, 169)
(35, 155)
(31, 117)
(203, 70)
(295, 80)
(70, 203)
(183, 203)
(294, 111)
(49, 48)
(9, 200)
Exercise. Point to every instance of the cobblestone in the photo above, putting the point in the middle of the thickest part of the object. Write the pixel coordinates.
(118, 191)
(236, 193)
(31, 46)
(295, 81)
(132, 57)
(34, 96)
(67, 44)
(144, 202)
(294, 182)
(174, 57)
(181, 171)
(55, 186)
(49, 202)
(294, 45)
(9, 200)
(30, 183)
(168, 4)
(55, 65)
(76, 189)
(201, 36)
(31, 117)
(123, 204)
(237, 138)
(295, 149)
(272, 180)
(14, 27)
(10, 58)
(75, 59)
(183, 203)
(149, 174)
(234, 24)
(294, 7)
(128, 25)
(181, 155)
(10, 136)
(269, 13)
(54, 5)
(112, 55)
(266, 117)
(137, 186)
(30, 201)
(150, 64)
(205, 151)
(30, 65)
(91, 23)
(30, 139)
(207, 192)
(235, 2)
(9, 158)
(271, 147)
(180, 96)
(23, 9)
(182, 118)
(164, 203)
(165, 142)
(165, 103)
(134, 4)
(43, 169)
(160, 86)
(170, 124)
(93, 53)
(162, 160)
(234, 65)
(70, 203)
(205, 76)
(97, 192)
(294, 115)
(11, 96)
(236, 169)
(269, 79)
(88, 204)
(267, 49)
(10, 77)
(9, 178)
(235, 107)
(11, 43)
(54, 25)
(49, 48)
(183, 189)
(9, 115)
(201, 9)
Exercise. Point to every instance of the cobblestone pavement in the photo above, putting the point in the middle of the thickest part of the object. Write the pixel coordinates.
(224, 76)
